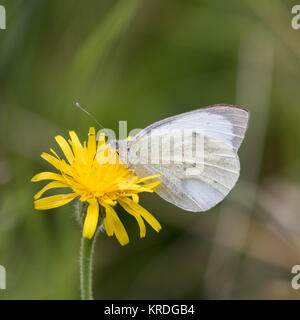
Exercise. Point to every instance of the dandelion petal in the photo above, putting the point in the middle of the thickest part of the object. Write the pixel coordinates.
(54, 201)
(91, 219)
(117, 225)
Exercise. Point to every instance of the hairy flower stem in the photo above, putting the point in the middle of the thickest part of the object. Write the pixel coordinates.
(86, 260)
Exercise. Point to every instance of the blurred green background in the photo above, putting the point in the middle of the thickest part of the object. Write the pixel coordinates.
(142, 61)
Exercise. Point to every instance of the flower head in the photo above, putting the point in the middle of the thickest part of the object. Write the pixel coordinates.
(95, 176)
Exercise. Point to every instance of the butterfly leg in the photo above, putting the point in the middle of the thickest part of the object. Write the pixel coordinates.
(132, 173)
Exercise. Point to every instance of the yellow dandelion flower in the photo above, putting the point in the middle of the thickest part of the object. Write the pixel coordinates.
(98, 182)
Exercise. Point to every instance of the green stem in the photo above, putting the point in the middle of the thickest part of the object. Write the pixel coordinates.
(86, 260)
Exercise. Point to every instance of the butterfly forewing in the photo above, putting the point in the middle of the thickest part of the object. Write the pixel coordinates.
(200, 178)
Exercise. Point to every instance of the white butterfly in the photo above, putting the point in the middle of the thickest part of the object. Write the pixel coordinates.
(217, 131)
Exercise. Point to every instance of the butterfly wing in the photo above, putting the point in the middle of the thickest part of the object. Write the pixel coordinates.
(220, 129)
(226, 123)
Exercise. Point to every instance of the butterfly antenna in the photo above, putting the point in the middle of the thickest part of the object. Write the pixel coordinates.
(94, 118)
(89, 114)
